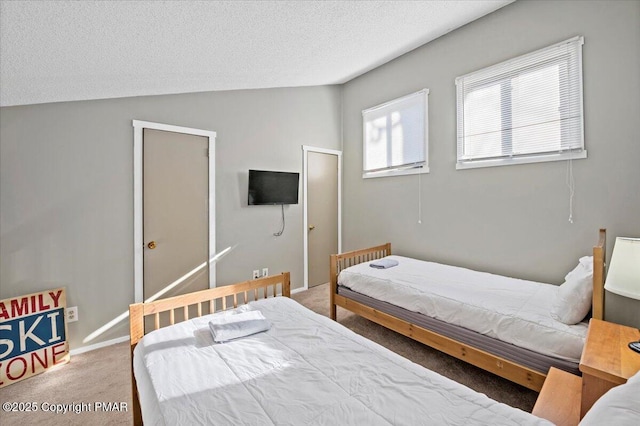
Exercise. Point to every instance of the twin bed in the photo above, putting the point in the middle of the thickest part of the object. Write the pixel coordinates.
(306, 369)
(497, 323)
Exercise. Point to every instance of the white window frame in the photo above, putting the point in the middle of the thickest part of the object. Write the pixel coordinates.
(400, 170)
(494, 72)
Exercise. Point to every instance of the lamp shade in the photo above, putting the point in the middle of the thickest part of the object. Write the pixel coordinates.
(623, 277)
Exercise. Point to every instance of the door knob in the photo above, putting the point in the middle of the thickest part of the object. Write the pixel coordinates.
(151, 245)
(312, 227)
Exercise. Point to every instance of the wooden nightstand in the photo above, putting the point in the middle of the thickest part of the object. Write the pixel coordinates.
(559, 399)
(606, 360)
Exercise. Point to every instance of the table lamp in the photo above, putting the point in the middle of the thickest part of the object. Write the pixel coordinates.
(623, 277)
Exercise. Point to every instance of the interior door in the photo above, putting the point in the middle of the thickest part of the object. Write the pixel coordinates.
(322, 214)
(175, 212)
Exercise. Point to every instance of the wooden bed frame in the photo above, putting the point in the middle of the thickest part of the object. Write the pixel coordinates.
(227, 297)
(509, 370)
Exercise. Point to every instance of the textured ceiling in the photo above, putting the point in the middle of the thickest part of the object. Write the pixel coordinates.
(77, 50)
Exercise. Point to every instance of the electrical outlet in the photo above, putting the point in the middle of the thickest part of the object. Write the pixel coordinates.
(72, 314)
(265, 272)
(256, 274)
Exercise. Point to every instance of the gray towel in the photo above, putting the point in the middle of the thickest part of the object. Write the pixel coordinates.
(384, 263)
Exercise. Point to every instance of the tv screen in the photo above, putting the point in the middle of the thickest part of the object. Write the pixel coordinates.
(267, 187)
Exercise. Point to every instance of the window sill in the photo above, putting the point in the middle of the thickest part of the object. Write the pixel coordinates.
(521, 160)
(389, 173)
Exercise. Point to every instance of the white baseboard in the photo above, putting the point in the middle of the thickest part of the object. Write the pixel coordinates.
(95, 346)
(297, 290)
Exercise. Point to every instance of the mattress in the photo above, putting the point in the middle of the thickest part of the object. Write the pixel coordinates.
(306, 369)
(511, 310)
(525, 357)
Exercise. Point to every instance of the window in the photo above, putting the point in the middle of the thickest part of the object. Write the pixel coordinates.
(396, 137)
(525, 110)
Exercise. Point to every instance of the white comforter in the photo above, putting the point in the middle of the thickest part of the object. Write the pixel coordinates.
(306, 370)
(512, 310)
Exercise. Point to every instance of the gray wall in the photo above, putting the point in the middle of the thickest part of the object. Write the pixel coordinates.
(509, 220)
(66, 190)
(66, 170)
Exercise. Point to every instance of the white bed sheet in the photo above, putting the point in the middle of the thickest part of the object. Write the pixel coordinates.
(306, 370)
(509, 309)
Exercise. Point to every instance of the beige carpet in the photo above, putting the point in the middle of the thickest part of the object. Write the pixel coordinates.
(97, 376)
(103, 375)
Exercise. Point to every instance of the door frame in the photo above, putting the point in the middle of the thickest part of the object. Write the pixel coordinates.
(138, 242)
(305, 221)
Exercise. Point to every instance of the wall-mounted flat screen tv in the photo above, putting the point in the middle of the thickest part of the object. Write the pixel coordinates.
(272, 188)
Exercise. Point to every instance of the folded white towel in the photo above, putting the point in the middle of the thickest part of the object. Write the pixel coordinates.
(384, 263)
(231, 327)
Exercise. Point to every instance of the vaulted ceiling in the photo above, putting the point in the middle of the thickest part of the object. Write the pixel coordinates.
(78, 50)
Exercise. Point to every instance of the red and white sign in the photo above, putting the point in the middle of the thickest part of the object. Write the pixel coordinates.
(33, 335)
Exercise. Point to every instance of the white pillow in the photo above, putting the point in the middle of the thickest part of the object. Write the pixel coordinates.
(573, 298)
(619, 406)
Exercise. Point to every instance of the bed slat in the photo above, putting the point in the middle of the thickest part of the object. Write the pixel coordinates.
(223, 293)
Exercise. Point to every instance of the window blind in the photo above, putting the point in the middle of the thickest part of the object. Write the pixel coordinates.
(525, 107)
(395, 134)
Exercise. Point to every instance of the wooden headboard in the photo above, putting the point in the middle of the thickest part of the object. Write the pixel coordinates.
(341, 261)
(599, 263)
(226, 297)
